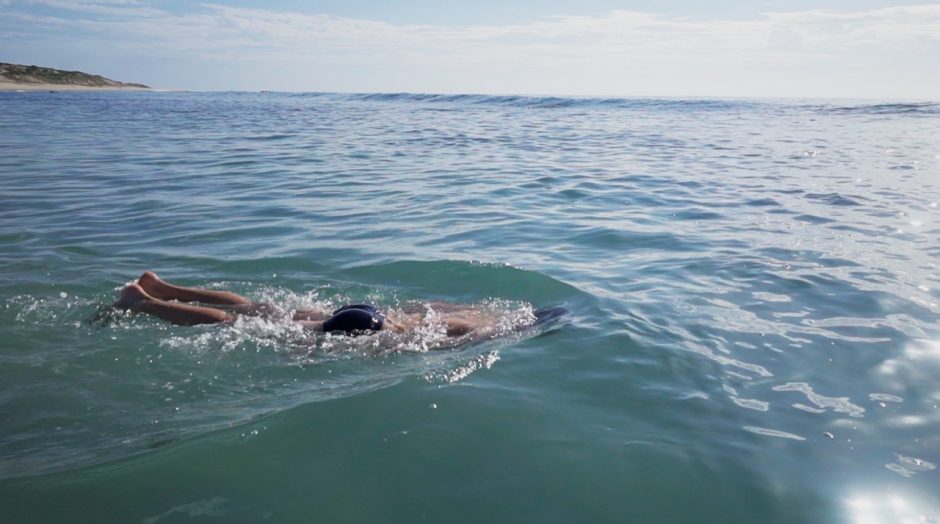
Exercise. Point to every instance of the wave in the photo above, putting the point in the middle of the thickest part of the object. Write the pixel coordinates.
(541, 102)
(915, 108)
(647, 103)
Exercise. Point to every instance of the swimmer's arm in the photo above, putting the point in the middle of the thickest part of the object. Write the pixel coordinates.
(392, 325)
(457, 325)
(401, 322)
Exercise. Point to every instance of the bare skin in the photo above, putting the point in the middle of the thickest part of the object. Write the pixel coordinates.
(154, 296)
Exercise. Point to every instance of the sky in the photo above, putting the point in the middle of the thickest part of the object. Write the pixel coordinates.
(876, 49)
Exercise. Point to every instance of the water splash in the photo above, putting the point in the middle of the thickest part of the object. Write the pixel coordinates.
(205, 377)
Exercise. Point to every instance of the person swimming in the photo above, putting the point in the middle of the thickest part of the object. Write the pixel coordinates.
(180, 305)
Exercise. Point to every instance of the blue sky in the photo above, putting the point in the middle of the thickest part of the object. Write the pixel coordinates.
(774, 48)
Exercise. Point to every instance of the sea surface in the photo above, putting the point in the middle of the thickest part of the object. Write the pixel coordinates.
(752, 292)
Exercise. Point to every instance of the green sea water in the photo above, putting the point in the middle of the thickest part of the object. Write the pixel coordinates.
(752, 290)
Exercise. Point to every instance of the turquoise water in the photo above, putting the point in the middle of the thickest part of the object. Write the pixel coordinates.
(753, 293)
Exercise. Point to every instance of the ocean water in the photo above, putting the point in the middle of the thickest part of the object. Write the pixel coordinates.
(752, 290)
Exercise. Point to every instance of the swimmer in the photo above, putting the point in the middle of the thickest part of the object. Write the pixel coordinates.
(192, 306)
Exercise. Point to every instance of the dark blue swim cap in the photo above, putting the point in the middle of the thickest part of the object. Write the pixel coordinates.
(356, 317)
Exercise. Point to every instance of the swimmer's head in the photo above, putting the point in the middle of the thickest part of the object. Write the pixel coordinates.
(352, 320)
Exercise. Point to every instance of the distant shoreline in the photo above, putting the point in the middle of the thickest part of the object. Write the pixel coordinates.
(12, 86)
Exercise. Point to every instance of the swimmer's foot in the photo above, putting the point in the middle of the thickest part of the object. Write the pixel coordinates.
(153, 285)
(131, 297)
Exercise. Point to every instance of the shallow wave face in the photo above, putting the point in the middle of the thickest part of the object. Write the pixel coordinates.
(751, 291)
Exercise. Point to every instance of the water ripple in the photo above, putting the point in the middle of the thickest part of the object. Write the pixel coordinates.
(728, 264)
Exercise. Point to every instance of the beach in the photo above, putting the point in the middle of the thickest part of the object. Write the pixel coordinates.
(12, 86)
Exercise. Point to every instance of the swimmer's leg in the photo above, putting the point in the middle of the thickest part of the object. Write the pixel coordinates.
(161, 290)
(136, 299)
(253, 309)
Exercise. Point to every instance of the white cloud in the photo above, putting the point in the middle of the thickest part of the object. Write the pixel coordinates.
(101, 7)
(568, 51)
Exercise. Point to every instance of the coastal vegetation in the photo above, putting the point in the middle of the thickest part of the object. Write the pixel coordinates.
(31, 75)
